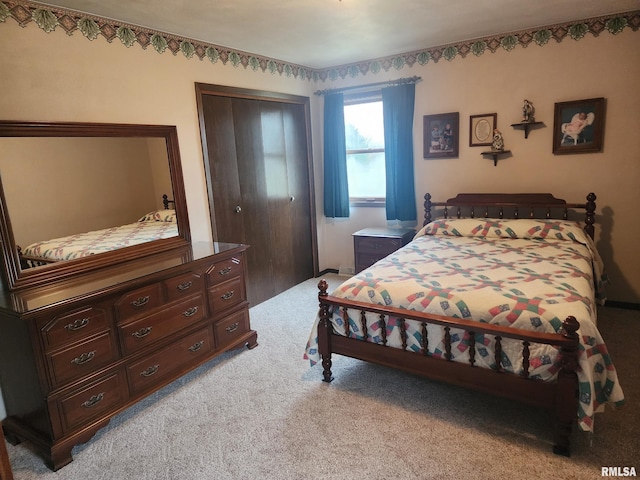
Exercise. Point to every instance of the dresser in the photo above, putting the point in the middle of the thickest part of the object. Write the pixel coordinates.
(76, 352)
(373, 244)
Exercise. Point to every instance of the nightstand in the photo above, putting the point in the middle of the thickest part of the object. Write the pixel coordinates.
(372, 244)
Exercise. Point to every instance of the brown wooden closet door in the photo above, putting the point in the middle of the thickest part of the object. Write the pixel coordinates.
(260, 190)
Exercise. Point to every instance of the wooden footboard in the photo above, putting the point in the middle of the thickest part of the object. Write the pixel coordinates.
(560, 396)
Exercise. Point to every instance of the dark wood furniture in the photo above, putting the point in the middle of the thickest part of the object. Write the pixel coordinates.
(78, 351)
(258, 164)
(559, 396)
(167, 168)
(5, 466)
(373, 244)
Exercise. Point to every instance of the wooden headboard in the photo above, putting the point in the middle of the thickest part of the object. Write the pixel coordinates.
(511, 205)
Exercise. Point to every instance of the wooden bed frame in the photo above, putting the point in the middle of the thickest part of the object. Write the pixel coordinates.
(24, 259)
(560, 396)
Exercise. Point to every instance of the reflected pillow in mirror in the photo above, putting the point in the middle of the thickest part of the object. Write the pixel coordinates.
(159, 216)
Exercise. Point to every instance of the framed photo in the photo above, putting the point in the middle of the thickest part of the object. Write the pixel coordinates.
(481, 129)
(441, 135)
(578, 126)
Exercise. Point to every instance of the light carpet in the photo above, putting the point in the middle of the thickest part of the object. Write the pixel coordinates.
(266, 414)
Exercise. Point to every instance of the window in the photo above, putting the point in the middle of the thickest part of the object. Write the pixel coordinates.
(364, 131)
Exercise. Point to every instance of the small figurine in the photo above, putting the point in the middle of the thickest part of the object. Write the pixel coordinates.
(527, 111)
(498, 143)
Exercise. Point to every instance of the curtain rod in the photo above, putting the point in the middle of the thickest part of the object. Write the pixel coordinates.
(400, 81)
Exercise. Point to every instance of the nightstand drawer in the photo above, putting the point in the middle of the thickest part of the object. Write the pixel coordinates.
(378, 245)
(373, 244)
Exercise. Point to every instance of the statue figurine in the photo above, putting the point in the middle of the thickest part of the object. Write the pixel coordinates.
(498, 143)
(527, 111)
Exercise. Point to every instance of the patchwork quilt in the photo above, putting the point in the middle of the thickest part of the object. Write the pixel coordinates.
(529, 274)
(153, 226)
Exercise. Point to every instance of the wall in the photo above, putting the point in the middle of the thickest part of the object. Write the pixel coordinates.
(60, 77)
(607, 66)
(30, 169)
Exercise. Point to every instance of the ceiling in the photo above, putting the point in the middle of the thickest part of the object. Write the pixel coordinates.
(325, 33)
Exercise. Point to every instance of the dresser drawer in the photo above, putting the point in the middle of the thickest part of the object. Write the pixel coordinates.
(225, 270)
(92, 400)
(231, 328)
(81, 359)
(140, 301)
(71, 327)
(152, 370)
(183, 286)
(140, 333)
(226, 295)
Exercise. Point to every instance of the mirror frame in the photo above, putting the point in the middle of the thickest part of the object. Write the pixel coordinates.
(17, 278)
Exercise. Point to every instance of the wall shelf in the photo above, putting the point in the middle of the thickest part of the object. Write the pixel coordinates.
(526, 126)
(495, 154)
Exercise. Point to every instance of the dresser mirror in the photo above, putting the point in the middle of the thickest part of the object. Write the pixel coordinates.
(76, 197)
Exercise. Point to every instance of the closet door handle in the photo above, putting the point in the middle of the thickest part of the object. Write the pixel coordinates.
(238, 208)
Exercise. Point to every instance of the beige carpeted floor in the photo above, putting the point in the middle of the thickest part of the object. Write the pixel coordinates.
(266, 414)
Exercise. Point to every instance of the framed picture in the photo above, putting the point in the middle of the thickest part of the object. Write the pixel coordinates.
(578, 126)
(481, 129)
(441, 135)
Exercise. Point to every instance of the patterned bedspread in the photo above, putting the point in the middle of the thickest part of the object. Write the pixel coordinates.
(529, 274)
(150, 227)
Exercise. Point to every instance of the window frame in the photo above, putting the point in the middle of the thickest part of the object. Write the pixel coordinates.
(356, 99)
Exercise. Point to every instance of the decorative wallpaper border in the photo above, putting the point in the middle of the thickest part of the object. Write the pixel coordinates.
(49, 18)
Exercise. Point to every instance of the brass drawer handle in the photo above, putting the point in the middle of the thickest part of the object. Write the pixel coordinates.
(196, 346)
(190, 312)
(227, 295)
(77, 324)
(94, 400)
(185, 286)
(152, 370)
(84, 358)
(232, 328)
(140, 302)
(143, 332)
(224, 271)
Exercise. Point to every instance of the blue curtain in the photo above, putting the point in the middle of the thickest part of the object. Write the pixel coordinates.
(336, 188)
(398, 105)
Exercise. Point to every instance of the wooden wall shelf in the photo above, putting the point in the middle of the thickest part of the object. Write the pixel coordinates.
(495, 154)
(526, 126)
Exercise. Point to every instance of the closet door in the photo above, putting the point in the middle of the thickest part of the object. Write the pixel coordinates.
(260, 187)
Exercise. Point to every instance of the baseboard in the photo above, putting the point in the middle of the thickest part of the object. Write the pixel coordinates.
(327, 270)
(625, 305)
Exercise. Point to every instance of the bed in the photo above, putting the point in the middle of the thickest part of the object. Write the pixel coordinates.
(497, 295)
(155, 225)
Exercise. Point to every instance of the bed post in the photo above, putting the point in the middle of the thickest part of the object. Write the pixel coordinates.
(567, 392)
(427, 208)
(590, 214)
(325, 330)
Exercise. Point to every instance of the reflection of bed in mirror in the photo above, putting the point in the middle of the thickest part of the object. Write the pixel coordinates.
(154, 225)
(63, 179)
